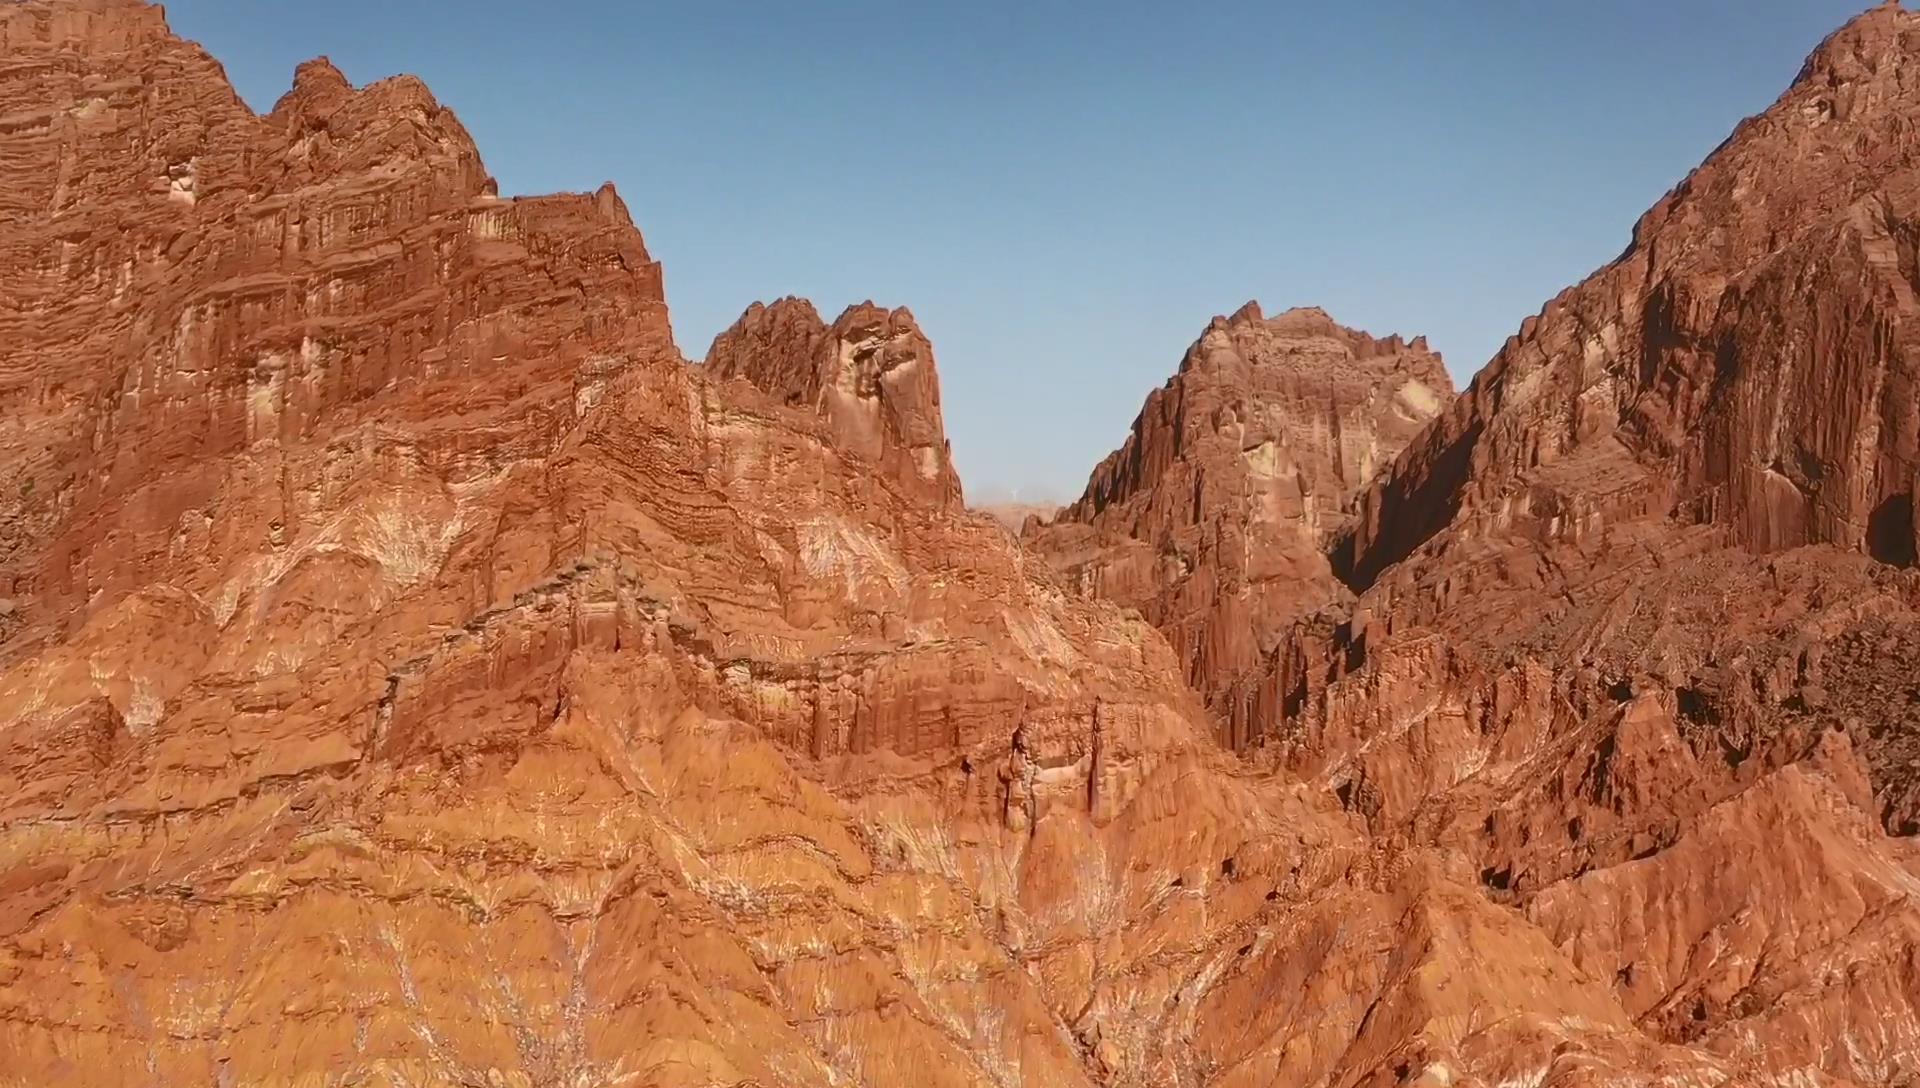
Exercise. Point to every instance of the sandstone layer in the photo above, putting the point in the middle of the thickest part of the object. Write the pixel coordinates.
(871, 374)
(1214, 519)
(415, 673)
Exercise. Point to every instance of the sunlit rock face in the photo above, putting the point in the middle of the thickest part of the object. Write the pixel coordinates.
(1214, 518)
(871, 374)
(1636, 619)
(413, 672)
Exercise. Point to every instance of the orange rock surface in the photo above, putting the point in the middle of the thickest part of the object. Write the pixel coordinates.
(871, 373)
(1214, 520)
(413, 672)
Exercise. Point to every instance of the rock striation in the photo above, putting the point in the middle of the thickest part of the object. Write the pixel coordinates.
(1214, 519)
(1635, 618)
(870, 374)
(1746, 363)
(413, 672)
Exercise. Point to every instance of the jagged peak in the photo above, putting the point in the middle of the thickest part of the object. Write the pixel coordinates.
(607, 202)
(871, 356)
(792, 306)
(319, 74)
(1305, 324)
(858, 320)
(867, 318)
(319, 87)
(797, 323)
(1859, 47)
(1308, 319)
(787, 311)
(1248, 370)
(1248, 313)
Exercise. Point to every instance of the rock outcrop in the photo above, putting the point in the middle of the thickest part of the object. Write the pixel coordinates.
(197, 295)
(1636, 617)
(416, 673)
(412, 672)
(870, 373)
(1748, 362)
(1214, 518)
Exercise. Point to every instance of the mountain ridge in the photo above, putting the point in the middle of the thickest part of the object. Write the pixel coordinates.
(393, 600)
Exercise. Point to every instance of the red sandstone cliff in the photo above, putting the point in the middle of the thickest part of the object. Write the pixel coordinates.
(197, 296)
(1637, 619)
(409, 660)
(415, 673)
(871, 374)
(1215, 517)
(1748, 362)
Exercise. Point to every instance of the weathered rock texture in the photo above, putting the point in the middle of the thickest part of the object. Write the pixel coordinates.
(1747, 363)
(1637, 624)
(1215, 517)
(414, 673)
(870, 373)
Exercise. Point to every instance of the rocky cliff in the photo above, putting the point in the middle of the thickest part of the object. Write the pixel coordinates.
(384, 588)
(1214, 519)
(1746, 363)
(871, 374)
(415, 673)
(1636, 618)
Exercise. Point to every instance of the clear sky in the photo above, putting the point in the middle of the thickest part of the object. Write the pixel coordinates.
(1064, 193)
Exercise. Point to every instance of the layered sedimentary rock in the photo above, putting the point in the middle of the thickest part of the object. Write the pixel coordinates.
(870, 373)
(409, 657)
(1748, 362)
(415, 673)
(1636, 620)
(194, 293)
(1214, 518)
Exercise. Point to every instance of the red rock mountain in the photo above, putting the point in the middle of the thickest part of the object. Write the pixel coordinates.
(870, 373)
(1747, 363)
(1214, 519)
(1637, 622)
(413, 672)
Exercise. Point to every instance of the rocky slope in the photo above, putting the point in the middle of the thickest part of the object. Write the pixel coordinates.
(1637, 622)
(415, 673)
(1214, 518)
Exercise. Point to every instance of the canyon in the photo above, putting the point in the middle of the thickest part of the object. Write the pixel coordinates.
(414, 671)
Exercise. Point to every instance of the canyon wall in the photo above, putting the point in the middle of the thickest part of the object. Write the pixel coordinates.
(414, 672)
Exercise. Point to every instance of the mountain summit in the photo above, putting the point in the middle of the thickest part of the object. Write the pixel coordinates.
(414, 672)
(1215, 517)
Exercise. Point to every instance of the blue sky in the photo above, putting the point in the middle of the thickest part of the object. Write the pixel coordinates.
(1065, 193)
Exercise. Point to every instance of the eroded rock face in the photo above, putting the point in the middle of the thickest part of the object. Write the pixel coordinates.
(1636, 617)
(376, 564)
(416, 674)
(1746, 363)
(870, 373)
(218, 322)
(1214, 518)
